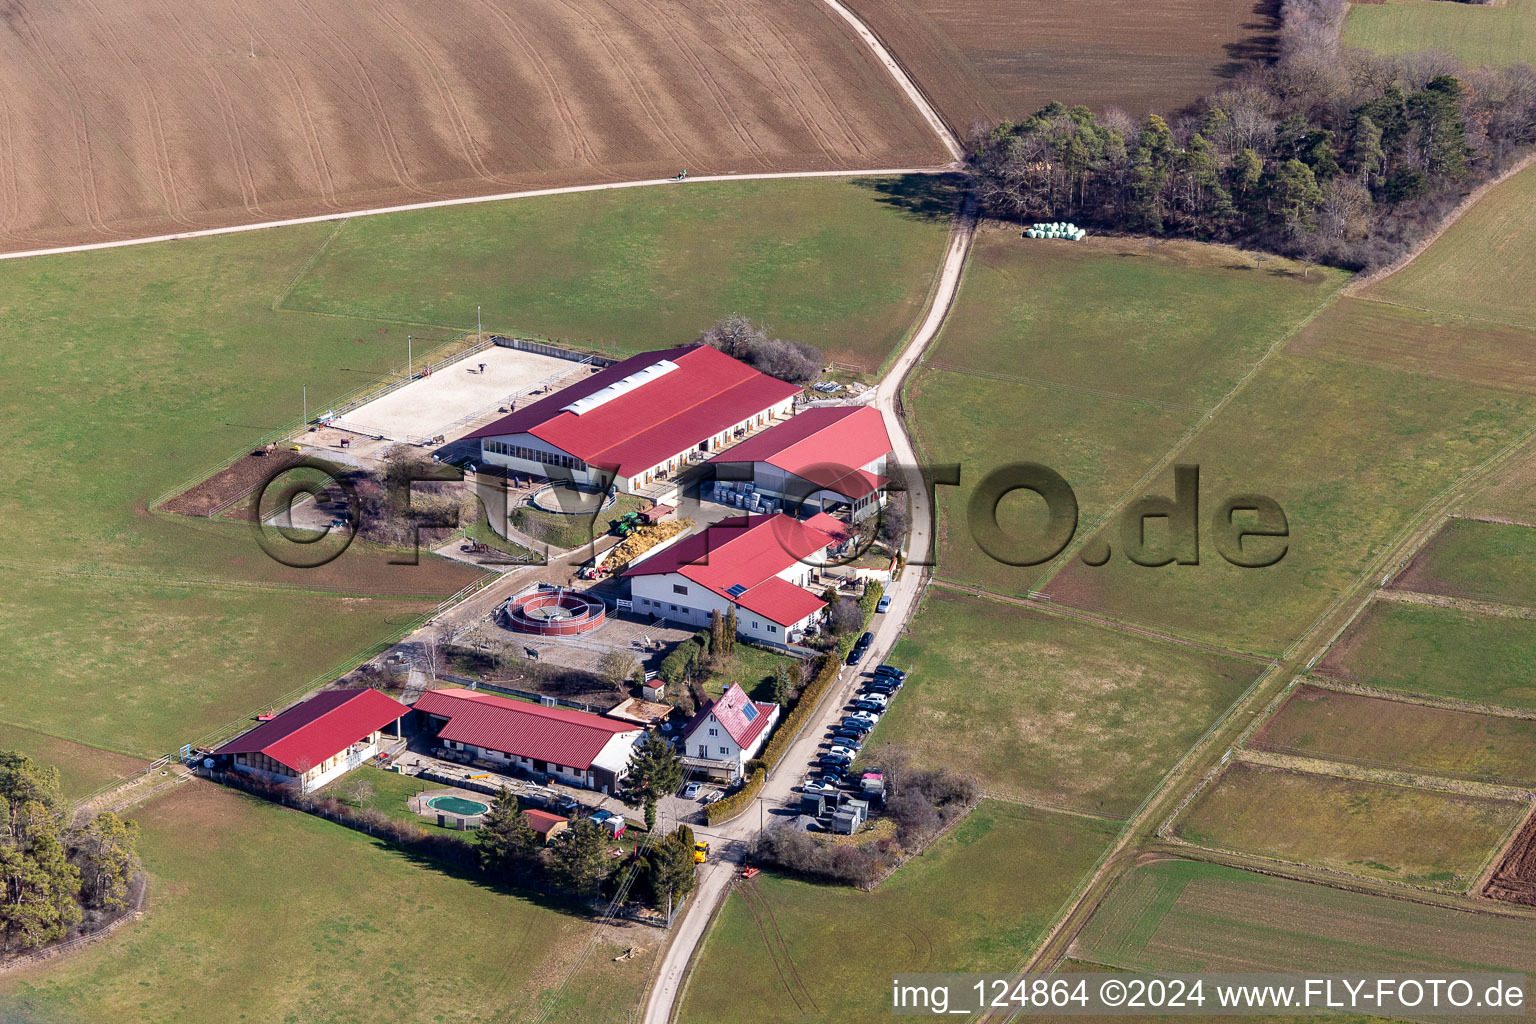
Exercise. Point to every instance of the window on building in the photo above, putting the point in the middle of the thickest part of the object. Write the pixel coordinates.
(714, 732)
(725, 751)
(678, 588)
(772, 628)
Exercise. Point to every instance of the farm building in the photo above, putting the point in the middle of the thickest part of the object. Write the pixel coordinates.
(761, 565)
(638, 421)
(316, 741)
(574, 747)
(826, 458)
(727, 733)
(547, 825)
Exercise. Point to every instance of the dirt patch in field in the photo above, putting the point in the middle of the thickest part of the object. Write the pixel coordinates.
(228, 486)
(145, 116)
(1514, 881)
(1004, 59)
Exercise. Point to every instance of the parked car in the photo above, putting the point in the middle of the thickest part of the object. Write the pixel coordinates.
(884, 686)
(690, 790)
(839, 750)
(848, 738)
(868, 704)
(860, 646)
(817, 785)
(883, 605)
(891, 671)
(858, 725)
(836, 775)
(865, 715)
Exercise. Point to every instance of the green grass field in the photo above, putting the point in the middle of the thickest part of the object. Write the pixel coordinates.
(1479, 35)
(1179, 916)
(977, 900)
(1478, 560)
(1482, 265)
(82, 769)
(576, 529)
(1349, 727)
(1423, 836)
(1092, 359)
(843, 264)
(260, 913)
(1350, 452)
(1440, 652)
(753, 669)
(1051, 710)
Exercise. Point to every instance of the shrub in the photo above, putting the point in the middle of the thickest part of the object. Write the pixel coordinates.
(728, 807)
(826, 675)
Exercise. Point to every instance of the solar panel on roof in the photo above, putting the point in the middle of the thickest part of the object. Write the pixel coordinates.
(737, 590)
(750, 710)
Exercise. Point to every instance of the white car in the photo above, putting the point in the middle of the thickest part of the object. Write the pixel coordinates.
(817, 786)
(845, 751)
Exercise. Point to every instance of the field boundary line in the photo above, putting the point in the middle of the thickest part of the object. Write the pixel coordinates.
(1402, 778)
(433, 204)
(304, 267)
(1337, 685)
(1501, 853)
(1493, 609)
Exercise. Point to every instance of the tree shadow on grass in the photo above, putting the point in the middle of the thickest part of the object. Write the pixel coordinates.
(924, 196)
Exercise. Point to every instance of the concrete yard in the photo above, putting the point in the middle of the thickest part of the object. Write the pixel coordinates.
(460, 393)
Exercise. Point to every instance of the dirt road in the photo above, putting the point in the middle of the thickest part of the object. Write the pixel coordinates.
(729, 839)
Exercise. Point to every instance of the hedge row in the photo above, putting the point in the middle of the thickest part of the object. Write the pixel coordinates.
(728, 807)
(784, 735)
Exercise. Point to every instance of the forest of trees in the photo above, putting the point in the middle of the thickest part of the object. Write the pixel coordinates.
(56, 878)
(1328, 153)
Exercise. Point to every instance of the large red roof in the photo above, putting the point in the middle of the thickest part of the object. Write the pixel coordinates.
(731, 712)
(740, 556)
(826, 446)
(313, 732)
(704, 393)
(560, 735)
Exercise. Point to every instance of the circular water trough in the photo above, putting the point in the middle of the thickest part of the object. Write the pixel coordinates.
(557, 612)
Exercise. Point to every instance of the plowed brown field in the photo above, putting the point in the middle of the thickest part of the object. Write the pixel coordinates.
(138, 117)
(1004, 59)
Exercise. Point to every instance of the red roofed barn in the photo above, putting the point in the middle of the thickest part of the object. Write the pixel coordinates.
(759, 564)
(573, 746)
(638, 419)
(316, 741)
(727, 733)
(823, 457)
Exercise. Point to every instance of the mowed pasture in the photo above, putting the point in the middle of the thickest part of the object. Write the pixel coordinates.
(138, 119)
(136, 371)
(277, 915)
(977, 900)
(1439, 652)
(1351, 453)
(993, 60)
(841, 264)
(1092, 358)
(1483, 264)
(1180, 916)
(1372, 731)
(1420, 836)
(1051, 710)
(1480, 34)
(82, 769)
(1478, 560)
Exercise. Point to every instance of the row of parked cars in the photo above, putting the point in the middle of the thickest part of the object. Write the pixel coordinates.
(846, 737)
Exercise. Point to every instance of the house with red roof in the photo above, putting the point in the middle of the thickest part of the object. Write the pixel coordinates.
(574, 747)
(727, 733)
(638, 421)
(317, 740)
(824, 458)
(760, 565)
